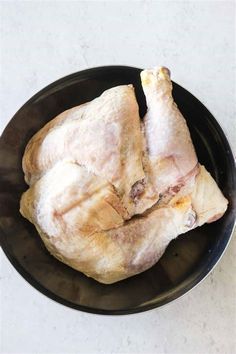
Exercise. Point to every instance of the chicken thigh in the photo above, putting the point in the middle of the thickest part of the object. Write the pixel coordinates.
(103, 135)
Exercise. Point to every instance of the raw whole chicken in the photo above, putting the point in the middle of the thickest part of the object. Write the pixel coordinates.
(109, 192)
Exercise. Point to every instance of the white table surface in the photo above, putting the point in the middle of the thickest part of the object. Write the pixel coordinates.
(43, 41)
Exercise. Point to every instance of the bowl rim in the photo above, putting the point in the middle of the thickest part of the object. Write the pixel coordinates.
(164, 298)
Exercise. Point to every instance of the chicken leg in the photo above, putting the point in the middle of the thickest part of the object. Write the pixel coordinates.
(171, 155)
(90, 170)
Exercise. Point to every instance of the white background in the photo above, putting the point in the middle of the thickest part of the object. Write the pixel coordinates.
(43, 41)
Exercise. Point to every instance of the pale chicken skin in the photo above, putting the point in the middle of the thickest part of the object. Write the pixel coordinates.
(95, 166)
(103, 135)
(170, 149)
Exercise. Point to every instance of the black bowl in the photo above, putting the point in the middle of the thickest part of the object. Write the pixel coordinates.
(187, 260)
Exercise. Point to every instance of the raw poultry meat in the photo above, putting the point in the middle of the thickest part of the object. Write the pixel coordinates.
(171, 155)
(103, 136)
(95, 166)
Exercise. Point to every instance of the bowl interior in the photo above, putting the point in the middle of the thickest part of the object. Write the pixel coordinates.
(187, 259)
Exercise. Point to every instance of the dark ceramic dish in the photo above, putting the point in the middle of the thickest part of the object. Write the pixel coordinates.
(187, 260)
